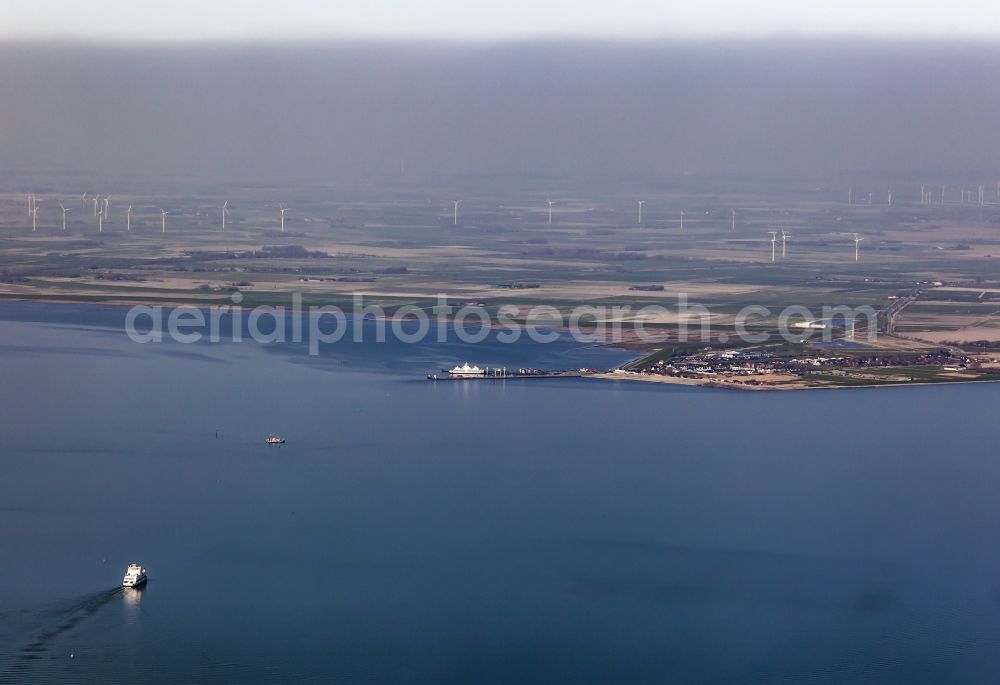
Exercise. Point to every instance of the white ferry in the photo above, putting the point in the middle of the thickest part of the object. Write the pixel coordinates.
(135, 575)
(466, 371)
(274, 440)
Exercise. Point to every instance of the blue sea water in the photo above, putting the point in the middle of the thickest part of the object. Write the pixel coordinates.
(545, 531)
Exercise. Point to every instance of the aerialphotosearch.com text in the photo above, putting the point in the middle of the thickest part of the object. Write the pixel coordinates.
(318, 325)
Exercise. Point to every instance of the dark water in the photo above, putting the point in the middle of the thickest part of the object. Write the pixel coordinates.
(529, 532)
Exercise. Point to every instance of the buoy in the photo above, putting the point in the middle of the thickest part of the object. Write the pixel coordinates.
(72, 655)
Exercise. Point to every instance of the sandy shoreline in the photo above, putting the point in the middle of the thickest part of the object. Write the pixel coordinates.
(702, 382)
(801, 385)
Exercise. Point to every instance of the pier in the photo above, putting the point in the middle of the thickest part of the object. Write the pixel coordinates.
(504, 375)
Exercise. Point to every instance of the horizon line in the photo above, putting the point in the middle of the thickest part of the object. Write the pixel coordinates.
(664, 38)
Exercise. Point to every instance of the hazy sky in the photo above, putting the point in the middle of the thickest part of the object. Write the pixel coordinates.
(491, 19)
(356, 109)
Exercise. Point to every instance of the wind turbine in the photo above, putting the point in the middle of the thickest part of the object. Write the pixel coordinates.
(106, 199)
(784, 237)
(641, 203)
(774, 239)
(95, 206)
(869, 198)
(857, 242)
(982, 200)
(64, 210)
(850, 195)
(455, 214)
(890, 198)
(942, 194)
(163, 220)
(923, 194)
(734, 221)
(100, 221)
(551, 202)
(31, 203)
(682, 219)
(34, 213)
(224, 211)
(128, 219)
(283, 210)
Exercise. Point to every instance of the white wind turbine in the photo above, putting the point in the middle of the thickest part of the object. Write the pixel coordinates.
(682, 219)
(128, 218)
(283, 209)
(857, 243)
(100, 221)
(224, 212)
(64, 210)
(551, 202)
(923, 194)
(890, 198)
(641, 203)
(455, 203)
(784, 237)
(106, 200)
(34, 213)
(774, 240)
(31, 203)
(734, 221)
(163, 220)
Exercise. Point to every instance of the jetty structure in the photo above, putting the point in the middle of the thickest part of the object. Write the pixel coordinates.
(474, 372)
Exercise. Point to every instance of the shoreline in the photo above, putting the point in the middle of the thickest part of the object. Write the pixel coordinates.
(723, 385)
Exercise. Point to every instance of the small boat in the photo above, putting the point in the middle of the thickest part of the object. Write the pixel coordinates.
(274, 440)
(135, 575)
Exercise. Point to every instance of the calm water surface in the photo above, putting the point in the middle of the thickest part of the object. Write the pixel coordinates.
(549, 531)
